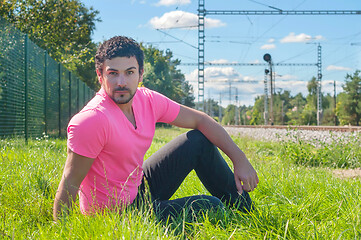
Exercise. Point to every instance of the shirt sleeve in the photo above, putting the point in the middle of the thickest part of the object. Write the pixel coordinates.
(166, 110)
(86, 133)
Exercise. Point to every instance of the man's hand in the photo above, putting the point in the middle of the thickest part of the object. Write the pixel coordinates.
(245, 176)
(75, 170)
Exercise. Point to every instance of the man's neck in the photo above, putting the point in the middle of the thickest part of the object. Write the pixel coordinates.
(127, 109)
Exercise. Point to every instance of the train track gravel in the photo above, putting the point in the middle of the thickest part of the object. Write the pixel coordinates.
(312, 135)
(283, 133)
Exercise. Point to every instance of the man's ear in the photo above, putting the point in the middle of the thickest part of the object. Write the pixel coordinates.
(100, 78)
(141, 76)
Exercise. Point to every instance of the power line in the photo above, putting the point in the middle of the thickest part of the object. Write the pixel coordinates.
(177, 38)
(223, 41)
(274, 25)
(249, 64)
(202, 12)
(266, 5)
(180, 27)
(283, 12)
(158, 42)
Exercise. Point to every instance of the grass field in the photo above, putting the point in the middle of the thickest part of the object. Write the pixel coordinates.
(298, 197)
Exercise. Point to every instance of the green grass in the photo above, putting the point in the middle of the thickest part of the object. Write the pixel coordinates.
(337, 152)
(294, 200)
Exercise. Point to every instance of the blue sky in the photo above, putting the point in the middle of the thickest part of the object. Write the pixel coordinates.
(243, 39)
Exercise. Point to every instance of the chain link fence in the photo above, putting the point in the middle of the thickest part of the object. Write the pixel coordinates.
(37, 95)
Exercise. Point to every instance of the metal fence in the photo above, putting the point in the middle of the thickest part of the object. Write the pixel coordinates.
(37, 95)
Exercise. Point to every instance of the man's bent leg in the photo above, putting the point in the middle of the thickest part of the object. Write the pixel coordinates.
(188, 207)
(166, 169)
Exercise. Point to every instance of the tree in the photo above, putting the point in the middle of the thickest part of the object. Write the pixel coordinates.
(243, 110)
(328, 115)
(161, 75)
(212, 107)
(229, 115)
(257, 117)
(309, 113)
(349, 107)
(294, 113)
(62, 27)
(281, 104)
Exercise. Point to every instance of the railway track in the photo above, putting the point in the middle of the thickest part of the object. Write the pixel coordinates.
(310, 128)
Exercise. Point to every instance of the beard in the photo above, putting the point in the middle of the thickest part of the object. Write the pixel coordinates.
(123, 98)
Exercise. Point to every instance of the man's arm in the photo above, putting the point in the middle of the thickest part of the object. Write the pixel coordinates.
(245, 176)
(75, 170)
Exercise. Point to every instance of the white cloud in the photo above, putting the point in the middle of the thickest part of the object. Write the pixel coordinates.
(249, 78)
(268, 46)
(271, 40)
(221, 74)
(302, 37)
(328, 86)
(182, 19)
(294, 86)
(217, 80)
(140, 1)
(217, 83)
(255, 61)
(286, 77)
(172, 2)
(219, 61)
(337, 68)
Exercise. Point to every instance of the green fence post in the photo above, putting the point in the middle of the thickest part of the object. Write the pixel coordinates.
(26, 95)
(59, 107)
(70, 97)
(45, 92)
(77, 95)
(84, 94)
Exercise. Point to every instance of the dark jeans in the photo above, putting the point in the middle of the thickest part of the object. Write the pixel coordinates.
(166, 169)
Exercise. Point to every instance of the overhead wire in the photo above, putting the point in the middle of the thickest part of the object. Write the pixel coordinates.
(177, 38)
(261, 36)
(274, 25)
(165, 34)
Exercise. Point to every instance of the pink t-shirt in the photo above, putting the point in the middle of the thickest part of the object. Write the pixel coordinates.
(102, 131)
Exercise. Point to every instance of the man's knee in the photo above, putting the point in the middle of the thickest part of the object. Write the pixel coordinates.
(197, 138)
(189, 206)
(210, 202)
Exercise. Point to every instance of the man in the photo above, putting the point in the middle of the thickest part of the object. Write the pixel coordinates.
(109, 137)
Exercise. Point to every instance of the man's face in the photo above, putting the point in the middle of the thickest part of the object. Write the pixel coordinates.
(120, 78)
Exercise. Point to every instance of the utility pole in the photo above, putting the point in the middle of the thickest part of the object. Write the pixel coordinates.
(236, 108)
(220, 108)
(266, 71)
(202, 12)
(267, 57)
(201, 36)
(210, 104)
(230, 91)
(334, 101)
(283, 113)
(319, 92)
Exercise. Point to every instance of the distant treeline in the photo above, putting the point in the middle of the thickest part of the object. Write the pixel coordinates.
(64, 29)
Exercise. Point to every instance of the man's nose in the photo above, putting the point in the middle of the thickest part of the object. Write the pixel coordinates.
(121, 81)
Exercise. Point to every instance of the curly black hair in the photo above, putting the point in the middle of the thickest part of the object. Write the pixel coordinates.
(119, 46)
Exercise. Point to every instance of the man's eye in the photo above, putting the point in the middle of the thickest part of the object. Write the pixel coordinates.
(112, 73)
(130, 72)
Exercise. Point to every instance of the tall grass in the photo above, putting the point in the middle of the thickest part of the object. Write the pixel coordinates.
(335, 152)
(293, 200)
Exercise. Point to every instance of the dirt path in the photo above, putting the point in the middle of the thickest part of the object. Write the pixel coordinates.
(347, 173)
